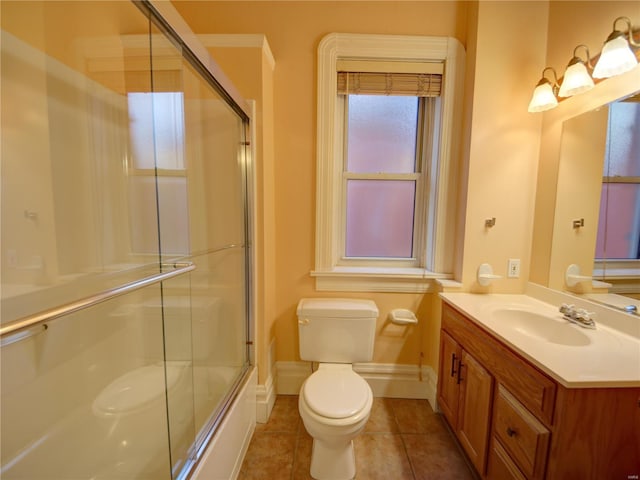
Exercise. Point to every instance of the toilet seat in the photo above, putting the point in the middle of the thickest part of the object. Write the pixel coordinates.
(336, 391)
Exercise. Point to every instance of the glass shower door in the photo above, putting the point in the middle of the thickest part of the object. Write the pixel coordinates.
(84, 372)
(208, 174)
(124, 245)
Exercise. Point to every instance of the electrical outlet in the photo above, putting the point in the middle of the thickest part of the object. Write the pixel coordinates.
(513, 270)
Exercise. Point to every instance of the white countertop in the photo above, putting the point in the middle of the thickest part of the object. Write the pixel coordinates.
(607, 356)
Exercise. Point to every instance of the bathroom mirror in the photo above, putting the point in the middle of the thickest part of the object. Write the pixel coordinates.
(601, 148)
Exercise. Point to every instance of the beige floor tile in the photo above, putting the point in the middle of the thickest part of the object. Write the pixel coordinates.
(403, 440)
(269, 456)
(381, 456)
(435, 456)
(284, 416)
(381, 419)
(414, 416)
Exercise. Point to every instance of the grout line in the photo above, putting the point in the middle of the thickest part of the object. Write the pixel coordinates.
(406, 452)
(295, 456)
(404, 445)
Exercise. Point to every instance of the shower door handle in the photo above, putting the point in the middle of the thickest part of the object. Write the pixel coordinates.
(23, 334)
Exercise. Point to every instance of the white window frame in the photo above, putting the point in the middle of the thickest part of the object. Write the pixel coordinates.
(437, 262)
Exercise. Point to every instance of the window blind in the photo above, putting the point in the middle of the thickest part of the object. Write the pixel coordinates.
(413, 83)
(367, 77)
(383, 83)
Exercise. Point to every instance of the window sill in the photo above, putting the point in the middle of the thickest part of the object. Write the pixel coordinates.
(615, 273)
(372, 279)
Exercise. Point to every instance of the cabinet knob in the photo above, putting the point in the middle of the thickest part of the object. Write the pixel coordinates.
(511, 432)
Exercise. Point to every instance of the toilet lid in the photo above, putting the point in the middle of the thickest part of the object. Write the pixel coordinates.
(336, 393)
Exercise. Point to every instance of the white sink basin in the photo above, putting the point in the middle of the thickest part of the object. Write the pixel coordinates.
(551, 329)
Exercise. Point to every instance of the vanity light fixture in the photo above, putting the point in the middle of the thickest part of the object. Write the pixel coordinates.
(621, 53)
(576, 77)
(617, 55)
(544, 95)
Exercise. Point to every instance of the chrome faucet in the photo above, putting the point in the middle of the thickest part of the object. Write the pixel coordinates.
(579, 316)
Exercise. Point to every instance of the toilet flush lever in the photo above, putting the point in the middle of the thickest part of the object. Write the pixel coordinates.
(303, 321)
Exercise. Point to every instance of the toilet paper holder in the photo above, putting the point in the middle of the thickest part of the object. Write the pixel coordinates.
(402, 316)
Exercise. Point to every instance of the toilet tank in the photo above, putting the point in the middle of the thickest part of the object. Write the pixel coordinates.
(336, 330)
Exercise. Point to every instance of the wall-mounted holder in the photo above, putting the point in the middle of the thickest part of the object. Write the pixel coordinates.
(402, 316)
(490, 222)
(485, 275)
(578, 223)
(572, 277)
(30, 215)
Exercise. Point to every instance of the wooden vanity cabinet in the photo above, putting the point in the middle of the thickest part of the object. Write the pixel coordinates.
(516, 423)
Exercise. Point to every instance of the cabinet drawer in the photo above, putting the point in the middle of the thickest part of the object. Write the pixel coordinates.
(523, 436)
(501, 467)
(534, 389)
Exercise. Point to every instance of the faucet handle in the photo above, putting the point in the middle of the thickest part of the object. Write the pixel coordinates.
(586, 314)
(566, 308)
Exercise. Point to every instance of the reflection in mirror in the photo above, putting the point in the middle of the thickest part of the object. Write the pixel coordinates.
(606, 141)
(619, 229)
(618, 243)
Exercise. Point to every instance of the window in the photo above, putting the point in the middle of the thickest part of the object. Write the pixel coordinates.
(386, 161)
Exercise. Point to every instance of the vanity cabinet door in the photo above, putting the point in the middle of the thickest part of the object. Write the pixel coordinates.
(474, 411)
(448, 385)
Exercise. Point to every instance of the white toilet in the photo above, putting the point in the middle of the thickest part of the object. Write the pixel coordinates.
(334, 401)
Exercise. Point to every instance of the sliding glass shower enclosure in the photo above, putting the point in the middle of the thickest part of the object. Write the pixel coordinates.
(125, 248)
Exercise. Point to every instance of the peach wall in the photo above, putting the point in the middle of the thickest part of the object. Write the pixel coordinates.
(504, 139)
(555, 243)
(293, 30)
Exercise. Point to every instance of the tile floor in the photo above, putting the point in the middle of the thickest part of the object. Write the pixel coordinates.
(403, 439)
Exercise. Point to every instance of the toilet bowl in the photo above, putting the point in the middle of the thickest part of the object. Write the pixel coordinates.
(335, 402)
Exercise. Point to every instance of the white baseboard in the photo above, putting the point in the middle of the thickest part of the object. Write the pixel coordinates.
(265, 398)
(290, 376)
(266, 394)
(385, 380)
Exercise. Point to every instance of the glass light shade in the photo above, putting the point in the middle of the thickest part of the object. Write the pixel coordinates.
(576, 80)
(616, 58)
(543, 98)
